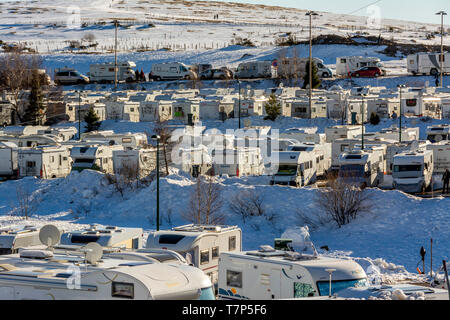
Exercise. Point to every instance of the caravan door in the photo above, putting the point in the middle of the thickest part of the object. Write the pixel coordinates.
(275, 284)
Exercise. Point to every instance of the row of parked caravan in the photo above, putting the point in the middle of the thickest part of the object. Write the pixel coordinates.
(198, 262)
(53, 153)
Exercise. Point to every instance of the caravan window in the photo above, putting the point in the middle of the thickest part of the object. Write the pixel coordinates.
(170, 238)
(303, 290)
(343, 60)
(122, 290)
(204, 257)
(234, 279)
(232, 243)
(215, 253)
(411, 102)
(52, 159)
(126, 140)
(31, 164)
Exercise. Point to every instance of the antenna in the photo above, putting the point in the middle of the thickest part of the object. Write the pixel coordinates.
(49, 235)
(92, 252)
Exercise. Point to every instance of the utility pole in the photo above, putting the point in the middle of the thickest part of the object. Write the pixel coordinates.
(79, 115)
(400, 87)
(310, 14)
(115, 55)
(239, 111)
(362, 121)
(157, 138)
(442, 14)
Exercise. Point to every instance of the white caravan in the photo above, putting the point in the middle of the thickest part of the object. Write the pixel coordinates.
(427, 63)
(171, 71)
(268, 274)
(127, 139)
(296, 68)
(441, 156)
(363, 168)
(108, 237)
(346, 65)
(295, 168)
(9, 165)
(94, 157)
(438, 133)
(254, 69)
(199, 244)
(46, 162)
(195, 161)
(134, 162)
(304, 135)
(237, 161)
(104, 72)
(393, 149)
(413, 171)
(342, 132)
(39, 274)
(322, 155)
(13, 238)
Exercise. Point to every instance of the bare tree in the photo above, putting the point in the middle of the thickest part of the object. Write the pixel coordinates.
(247, 204)
(126, 179)
(26, 204)
(343, 201)
(205, 202)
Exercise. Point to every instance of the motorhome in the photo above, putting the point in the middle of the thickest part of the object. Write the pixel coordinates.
(65, 133)
(134, 163)
(186, 110)
(441, 156)
(438, 133)
(295, 168)
(268, 274)
(126, 139)
(200, 244)
(172, 71)
(427, 63)
(383, 107)
(420, 105)
(301, 108)
(9, 162)
(413, 171)
(94, 157)
(393, 133)
(296, 68)
(322, 155)
(195, 161)
(104, 72)
(122, 110)
(362, 167)
(237, 161)
(158, 110)
(304, 135)
(254, 69)
(65, 76)
(13, 238)
(250, 106)
(393, 149)
(46, 162)
(51, 274)
(347, 65)
(342, 132)
(109, 236)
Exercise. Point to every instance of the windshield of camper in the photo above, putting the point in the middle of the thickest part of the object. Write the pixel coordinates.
(351, 170)
(408, 168)
(207, 294)
(437, 137)
(287, 170)
(324, 286)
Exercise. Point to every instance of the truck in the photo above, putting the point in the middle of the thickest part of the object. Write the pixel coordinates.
(428, 63)
(104, 72)
(254, 69)
(296, 68)
(347, 65)
(295, 168)
(9, 165)
(413, 171)
(171, 71)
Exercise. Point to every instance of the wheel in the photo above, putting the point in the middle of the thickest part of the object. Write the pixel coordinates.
(357, 75)
(433, 72)
(377, 75)
(187, 77)
(325, 75)
(158, 78)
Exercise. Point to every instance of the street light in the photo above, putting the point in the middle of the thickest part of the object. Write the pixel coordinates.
(400, 87)
(442, 14)
(310, 14)
(239, 85)
(362, 121)
(157, 138)
(115, 54)
(79, 114)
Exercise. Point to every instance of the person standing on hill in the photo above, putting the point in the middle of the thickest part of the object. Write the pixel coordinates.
(137, 74)
(445, 180)
(142, 75)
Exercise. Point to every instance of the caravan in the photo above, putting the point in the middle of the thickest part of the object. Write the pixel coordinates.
(441, 156)
(9, 165)
(347, 65)
(134, 163)
(295, 168)
(46, 162)
(427, 63)
(201, 244)
(254, 69)
(296, 68)
(94, 157)
(237, 161)
(438, 133)
(127, 139)
(413, 171)
(322, 155)
(14, 238)
(104, 72)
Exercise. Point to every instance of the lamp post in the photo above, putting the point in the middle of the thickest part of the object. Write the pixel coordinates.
(310, 14)
(79, 114)
(115, 54)
(400, 87)
(362, 121)
(239, 111)
(156, 138)
(442, 14)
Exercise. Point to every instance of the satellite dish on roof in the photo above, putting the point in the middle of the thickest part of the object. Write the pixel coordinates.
(93, 252)
(49, 235)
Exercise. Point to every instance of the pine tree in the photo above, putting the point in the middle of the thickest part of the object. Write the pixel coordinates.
(36, 106)
(273, 108)
(92, 120)
(315, 77)
(374, 119)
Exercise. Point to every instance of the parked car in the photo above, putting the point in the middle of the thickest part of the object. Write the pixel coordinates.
(368, 72)
(69, 76)
(221, 74)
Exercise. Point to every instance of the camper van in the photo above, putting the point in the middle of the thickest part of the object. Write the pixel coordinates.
(237, 161)
(13, 238)
(135, 162)
(109, 236)
(69, 76)
(441, 156)
(268, 274)
(254, 69)
(413, 171)
(9, 165)
(195, 161)
(362, 167)
(128, 139)
(104, 73)
(172, 71)
(94, 157)
(438, 133)
(295, 168)
(296, 68)
(427, 63)
(201, 244)
(342, 132)
(45, 274)
(304, 135)
(347, 65)
(46, 162)
(322, 155)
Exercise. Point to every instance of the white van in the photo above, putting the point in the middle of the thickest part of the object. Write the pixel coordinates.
(69, 76)
(46, 162)
(413, 171)
(94, 157)
(104, 72)
(171, 71)
(362, 167)
(349, 64)
(295, 168)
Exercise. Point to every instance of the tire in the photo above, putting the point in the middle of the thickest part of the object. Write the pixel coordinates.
(433, 72)
(158, 78)
(187, 77)
(357, 75)
(325, 75)
(377, 75)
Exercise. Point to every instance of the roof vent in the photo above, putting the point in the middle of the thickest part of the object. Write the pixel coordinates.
(266, 248)
(36, 254)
